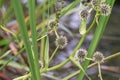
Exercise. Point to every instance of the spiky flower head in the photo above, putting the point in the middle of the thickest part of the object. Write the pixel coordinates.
(85, 2)
(84, 14)
(94, 3)
(98, 57)
(61, 42)
(105, 9)
(51, 24)
(81, 55)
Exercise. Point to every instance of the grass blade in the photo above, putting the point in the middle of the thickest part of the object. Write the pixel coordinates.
(69, 7)
(46, 54)
(23, 29)
(31, 4)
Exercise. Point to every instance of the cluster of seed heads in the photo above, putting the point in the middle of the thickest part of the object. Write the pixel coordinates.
(61, 42)
(104, 8)
(81, 55)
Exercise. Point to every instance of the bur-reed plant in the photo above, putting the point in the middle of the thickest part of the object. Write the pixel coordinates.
(42, 58)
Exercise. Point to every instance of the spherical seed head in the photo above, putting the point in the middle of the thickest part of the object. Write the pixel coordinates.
(85, 2)
(105, 9)
(94, 3)
(98, 57)
(84, 14)
(61, 42)
(51, 24)
(80, 55)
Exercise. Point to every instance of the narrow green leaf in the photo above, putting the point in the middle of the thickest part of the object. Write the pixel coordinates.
(31, 4)
(5, 54)
(15, 65)
(42, 47)
(23, 29)
(11, 58)
(82, 28)
(69, 7)
(46, 54)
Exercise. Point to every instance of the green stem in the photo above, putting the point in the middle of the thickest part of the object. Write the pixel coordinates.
(58, 66)
(79, 45)
(42, 37)
(89, 58)
(25, 77)
(53, 54)
(5, 64)
(77, 72)
(56, 34)
(83, 37)
(79, 66)
(42, 47)
(99, 69)
(51, 77)
(5, 54)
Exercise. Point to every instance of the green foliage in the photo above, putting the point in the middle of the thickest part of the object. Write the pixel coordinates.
(39, 55)
(23, 29)
(97, 36)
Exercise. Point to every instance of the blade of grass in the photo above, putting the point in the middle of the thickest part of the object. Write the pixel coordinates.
(46, 54)
(5, 54)
(42, 48)
(5, 64)
(23, 29)
(31, 4)
(53, 54)
(15, 65)
(97, 36)
(69, 7)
